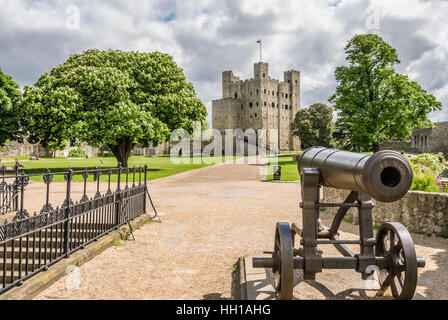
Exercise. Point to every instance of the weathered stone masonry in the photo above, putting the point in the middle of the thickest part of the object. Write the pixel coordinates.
(259, 103)
(421, 212)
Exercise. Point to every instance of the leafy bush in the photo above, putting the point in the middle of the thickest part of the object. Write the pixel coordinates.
(76, 153)
(425, 182)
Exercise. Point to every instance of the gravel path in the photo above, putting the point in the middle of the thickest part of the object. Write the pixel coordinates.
(210, 217)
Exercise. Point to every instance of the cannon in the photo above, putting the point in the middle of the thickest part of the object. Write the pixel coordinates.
(385, 176)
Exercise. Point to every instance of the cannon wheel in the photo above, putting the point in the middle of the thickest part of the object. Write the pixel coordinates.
(394, 242)
(284, 263)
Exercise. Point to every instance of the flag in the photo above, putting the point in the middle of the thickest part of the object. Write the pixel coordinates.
(259, 41)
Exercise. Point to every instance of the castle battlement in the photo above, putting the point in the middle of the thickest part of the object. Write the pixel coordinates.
(259, 103)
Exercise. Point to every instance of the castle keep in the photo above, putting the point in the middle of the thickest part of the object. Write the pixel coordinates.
(259, 103)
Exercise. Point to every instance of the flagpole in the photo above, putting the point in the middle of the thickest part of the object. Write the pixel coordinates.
(261, 60)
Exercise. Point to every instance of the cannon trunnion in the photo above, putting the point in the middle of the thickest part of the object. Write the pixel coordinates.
(384, 176)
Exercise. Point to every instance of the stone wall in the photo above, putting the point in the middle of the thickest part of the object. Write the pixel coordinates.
(431, 139)
(400, 145)
(420, 212)
(15, 149)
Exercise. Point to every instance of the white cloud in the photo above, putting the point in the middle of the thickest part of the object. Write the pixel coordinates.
(209, 36)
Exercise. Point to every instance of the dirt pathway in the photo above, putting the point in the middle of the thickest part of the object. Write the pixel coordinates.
(210, 218)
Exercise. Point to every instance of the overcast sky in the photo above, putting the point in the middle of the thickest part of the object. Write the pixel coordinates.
(207, 37)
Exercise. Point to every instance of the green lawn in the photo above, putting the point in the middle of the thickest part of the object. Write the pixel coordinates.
(158, 167)
(289, 168)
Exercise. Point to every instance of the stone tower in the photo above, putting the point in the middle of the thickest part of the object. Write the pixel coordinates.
(259, 103)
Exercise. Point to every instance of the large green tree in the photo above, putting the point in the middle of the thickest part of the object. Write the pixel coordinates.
(314, 125)
(110, 99)
(374, 102)
(9, 96)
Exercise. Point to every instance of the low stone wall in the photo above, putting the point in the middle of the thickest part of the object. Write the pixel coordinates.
(403, 145)
(420, 212)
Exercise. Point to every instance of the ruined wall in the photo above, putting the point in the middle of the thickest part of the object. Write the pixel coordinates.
(418, 211)
(15, 149)
(431, 139)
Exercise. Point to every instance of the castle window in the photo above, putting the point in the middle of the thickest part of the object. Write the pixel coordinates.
(265, 104)
(255, 115)
(296, 81)
(289, 81)
(257, 91)
(277, 105)
(286, 95)
(242, 106)
(264, 91)
(251, 93)
(250, 104)
(286, 106)
(273, 93)
(283, 94)
(273, 105)
(264, 75)
(236, 95)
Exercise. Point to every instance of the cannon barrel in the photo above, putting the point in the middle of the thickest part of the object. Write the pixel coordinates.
(386, 175)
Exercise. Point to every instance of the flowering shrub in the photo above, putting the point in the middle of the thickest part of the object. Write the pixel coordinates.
(427, 168)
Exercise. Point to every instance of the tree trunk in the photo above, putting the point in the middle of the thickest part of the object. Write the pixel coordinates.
(122, 151)
(375, 147)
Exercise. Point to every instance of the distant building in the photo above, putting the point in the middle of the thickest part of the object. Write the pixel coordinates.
(431, 139)
(259, 103)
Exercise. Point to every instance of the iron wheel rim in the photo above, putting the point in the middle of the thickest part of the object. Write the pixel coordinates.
(394, 242)
(284, 264)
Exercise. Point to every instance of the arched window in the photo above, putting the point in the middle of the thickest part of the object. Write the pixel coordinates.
(242, 107)
(273, 105)
(286, 95)
(273, 93)
(250, 105)
(296, 81)
(264, 75)
(251, 93)
(255, 115)
(286, 106)
(236, 95)
(265, 104)
(257, 91)
(264, 91)
(256, 104)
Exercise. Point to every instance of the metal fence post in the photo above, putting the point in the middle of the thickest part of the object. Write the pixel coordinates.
(118, 198)
(16, 188)
(67, 203)
(145, 188)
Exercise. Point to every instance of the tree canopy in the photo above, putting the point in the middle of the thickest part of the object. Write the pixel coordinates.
(111, 99)
(9, 96)
(375, 103)
(314, 125)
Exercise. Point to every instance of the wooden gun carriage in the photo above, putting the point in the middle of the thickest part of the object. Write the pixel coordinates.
(385, 176)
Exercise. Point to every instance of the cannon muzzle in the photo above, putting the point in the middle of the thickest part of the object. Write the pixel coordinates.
(386, 175)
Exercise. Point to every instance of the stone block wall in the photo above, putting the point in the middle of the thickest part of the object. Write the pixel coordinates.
(421, 212)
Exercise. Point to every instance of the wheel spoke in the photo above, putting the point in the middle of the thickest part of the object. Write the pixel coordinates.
(392, 239)
(394, 288)
(400, 280)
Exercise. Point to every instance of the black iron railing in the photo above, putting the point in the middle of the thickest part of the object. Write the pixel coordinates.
(8, 189)
(31, 244)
